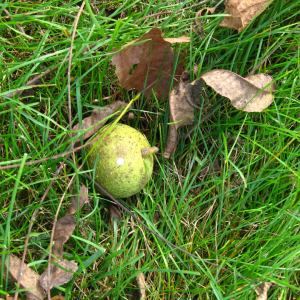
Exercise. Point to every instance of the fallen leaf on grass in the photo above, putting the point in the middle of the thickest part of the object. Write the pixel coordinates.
(58, 276)
(139, 294)
(181, 114)
(262, 290)
(211, 170)
(249, 94)
(156, 217)
(242, 13)
(63, 230)
(98, 114)
(29, 279)
(154, 60)
(114, 211)
(10, 298)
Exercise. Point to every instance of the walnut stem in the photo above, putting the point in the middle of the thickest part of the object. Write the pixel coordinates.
(147, 151)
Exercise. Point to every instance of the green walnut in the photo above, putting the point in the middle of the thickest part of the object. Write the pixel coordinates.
(125, 161)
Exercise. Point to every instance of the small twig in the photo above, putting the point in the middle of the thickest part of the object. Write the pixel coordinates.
(115, 94)
(32, 81)
(31, 225)
(9, 15)
(170, 11)
(30, 163)
(258, 65)
(72, 145)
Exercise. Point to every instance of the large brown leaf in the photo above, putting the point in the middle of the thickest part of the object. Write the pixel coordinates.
(181, 114)
(29, 279)
(249, 94)
(155, 60)
(242, 12)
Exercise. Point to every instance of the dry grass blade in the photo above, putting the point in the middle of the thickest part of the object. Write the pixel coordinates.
(154, 60)
(170, 11)
(243, 12)
(9, 15)
(72, 146)
(29, 280)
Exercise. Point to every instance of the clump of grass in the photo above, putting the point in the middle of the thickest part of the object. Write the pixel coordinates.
(244, 217)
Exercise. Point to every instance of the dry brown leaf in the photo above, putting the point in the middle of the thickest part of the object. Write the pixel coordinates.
(97, 115)
(114, 211)
(58, 276)
(211, 170)
(181, 112)
(140, 294)
(242, 13)
(63, 230)
(155, 59)
(262, 290)
(248, 94)
(156, 217)
(58, 298)
(10, 298)
(200, 22)
(83, 198)
(29, 278)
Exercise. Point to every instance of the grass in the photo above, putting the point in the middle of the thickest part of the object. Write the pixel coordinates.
(244, 217)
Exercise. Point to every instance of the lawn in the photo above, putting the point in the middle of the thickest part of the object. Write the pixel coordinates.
(229, 194)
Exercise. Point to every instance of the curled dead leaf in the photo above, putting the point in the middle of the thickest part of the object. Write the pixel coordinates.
(181, 114)
(58, 276)
(29, 279)
(250, 94)
(154, 60)
(243, 12)
(98, 114)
